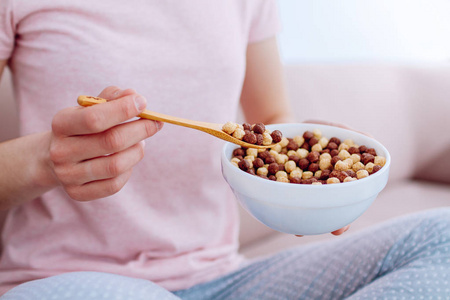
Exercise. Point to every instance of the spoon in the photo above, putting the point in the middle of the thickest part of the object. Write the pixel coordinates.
(211, 128)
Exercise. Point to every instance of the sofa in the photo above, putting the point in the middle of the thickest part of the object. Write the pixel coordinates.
(404, 106)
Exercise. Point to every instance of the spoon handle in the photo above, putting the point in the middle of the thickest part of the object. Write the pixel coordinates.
(210, 128)
(156, 116)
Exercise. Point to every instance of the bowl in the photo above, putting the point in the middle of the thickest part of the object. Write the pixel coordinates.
(306, 209)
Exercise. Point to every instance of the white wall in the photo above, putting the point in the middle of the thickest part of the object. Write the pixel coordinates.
(362, 30)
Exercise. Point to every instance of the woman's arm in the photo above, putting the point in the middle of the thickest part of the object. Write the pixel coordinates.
(2, 67)
(264, 97)
(87, 152)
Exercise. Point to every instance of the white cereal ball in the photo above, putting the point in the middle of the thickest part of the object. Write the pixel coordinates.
(284, 142)
(380, 160)
(362, 174)
(277, 148)
(283, 179)
(299, 140)
(302, 153)
(341, 165)
(229, 127)
(263, 171)
(307, 175)
(323, 141)
(356, 158)
(252, 152)
(358, 166)
(281, 174)
(332, 180)
(348, 179)
(290, 166)
(344, 154)
(317, 133)
(239, 133)
(267, 139)
(316, 147)
(296, 173)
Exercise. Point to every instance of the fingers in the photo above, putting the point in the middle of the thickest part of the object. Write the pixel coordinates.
(100, 168)
(93, 149)
(336, 232)
(98, 189)
(116, 139)
(113, 93)
(100, 117)
(341, 231)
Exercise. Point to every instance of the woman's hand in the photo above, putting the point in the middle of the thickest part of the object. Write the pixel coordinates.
(92, 151)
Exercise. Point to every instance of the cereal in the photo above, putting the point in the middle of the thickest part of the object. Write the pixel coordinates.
(343, 146)
(284, 142)
(299, 140)
(317, 147)
(369, 167)
(258, 163)
(323, 142)
(358, 166)
(296, 180)
(341, 166)
(277, 148)
(296, 173)
(356, 158)
(317, 133)
(235, 160)
(362, 174)
(281, 174)
(332, 180)
(281, 158)
(313, 156)
(325, 156)
(262, 171)
(379, 160)
(343, 154)
(325, 164)
(307, 175)
(309, 158)
(256, 134)
(229, 127)
(283, 179)
(348, 179)
(290, 166)
(239, 133)
(302, 153)
(376, 168)
(273, 168)
(267, 139)
(276, 136)
(303, 163)
(313, 167)
(252, 152)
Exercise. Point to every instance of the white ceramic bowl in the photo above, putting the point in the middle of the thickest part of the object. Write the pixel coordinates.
(306, 209)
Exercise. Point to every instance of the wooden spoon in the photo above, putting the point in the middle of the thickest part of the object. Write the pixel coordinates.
(211, 128)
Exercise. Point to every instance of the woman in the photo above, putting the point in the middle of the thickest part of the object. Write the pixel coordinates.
(93, 213)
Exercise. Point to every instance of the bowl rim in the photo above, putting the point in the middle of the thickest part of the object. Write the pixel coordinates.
(309, 187)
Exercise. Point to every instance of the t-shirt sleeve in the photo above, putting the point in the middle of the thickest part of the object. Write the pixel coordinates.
(7, 29)
(265, 21)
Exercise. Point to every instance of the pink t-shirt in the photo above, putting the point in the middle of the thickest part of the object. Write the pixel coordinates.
(175, 222)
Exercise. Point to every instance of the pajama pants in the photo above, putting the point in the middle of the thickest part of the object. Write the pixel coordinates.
(405, 258)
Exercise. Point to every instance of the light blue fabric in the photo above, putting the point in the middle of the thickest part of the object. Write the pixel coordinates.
(406, 258)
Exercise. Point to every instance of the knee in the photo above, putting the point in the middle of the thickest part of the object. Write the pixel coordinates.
(89, 285)
(436, 222)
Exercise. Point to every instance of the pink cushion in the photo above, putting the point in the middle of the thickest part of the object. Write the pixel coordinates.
(405, 107)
